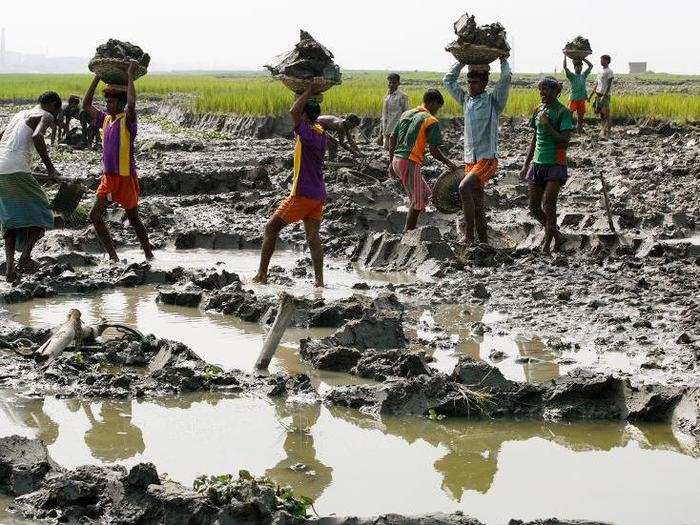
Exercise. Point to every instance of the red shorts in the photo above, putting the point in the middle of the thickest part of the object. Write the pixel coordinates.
(297, 208)
(122, 190)
(484, 169)
(579, 106)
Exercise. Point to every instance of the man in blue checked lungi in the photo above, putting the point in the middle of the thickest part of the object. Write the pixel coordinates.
(24, 209)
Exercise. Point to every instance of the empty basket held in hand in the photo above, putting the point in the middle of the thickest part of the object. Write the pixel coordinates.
(446, 197)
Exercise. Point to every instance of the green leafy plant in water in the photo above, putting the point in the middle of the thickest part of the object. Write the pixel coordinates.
(223, 488)
(78, 358)
(211, 372)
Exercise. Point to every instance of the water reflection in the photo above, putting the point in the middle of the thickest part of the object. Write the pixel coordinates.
(282, 439)
(300, 468)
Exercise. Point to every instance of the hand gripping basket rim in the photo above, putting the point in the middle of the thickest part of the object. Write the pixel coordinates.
(111, 68)
(475, 54)
(577, 54)
(446, 192)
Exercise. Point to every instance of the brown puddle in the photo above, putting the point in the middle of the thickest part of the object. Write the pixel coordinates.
(351, 463)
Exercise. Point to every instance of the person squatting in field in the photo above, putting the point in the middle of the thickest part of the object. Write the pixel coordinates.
(119, 182)
(417, 129)
(578, 96)
(24, 208)
(545, 166)
(481, 111)
(308, 195)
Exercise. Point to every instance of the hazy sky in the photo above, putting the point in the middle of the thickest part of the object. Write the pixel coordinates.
(363, 34)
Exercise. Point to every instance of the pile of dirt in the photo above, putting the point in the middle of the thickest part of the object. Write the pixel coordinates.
(116, 49)
(579, 44)
(492, 35)
(307, 60)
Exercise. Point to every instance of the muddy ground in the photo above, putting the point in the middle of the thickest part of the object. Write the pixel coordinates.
(616, 315)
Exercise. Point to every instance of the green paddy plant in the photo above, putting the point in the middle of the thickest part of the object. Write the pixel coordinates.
(249, 94)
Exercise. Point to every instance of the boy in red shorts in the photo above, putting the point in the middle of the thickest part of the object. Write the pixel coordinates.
(119, 181)
(578, 96)
(306, 200)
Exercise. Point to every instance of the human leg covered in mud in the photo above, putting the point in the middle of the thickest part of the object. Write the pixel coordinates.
(543, 206)
(471, 192)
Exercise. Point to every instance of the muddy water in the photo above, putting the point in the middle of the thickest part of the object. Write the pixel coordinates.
(353, 464)
(223, 340)
(338, 276)
(524, 357)
(232, 343)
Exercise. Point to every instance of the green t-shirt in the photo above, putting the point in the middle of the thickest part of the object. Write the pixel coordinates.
(546, 150)
(578, 85)
(415, 129)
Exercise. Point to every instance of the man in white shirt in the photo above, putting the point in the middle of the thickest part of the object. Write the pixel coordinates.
(395, 104)
(601, 104)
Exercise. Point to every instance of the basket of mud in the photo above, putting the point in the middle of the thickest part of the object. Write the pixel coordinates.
(478, 45)
(111, 61)
(113, 70)
(299, 85)
(475, 54)
(446, 192)
(578, 49)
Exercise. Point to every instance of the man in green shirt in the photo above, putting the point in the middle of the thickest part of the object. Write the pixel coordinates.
(578, 97)
(552, 124)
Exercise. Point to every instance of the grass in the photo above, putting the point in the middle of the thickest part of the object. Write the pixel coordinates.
(361, 93)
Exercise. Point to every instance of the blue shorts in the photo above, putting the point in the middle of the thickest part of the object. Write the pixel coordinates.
(541, 174)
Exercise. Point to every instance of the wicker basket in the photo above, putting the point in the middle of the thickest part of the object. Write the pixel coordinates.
(299, 85)
(114, 70)
(577, 54)
(475, 54)
(68, 197)
(446, 192)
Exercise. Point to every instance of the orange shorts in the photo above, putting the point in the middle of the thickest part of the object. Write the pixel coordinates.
(297, 208)
(484, 169)
(122, 190)
(579, 106)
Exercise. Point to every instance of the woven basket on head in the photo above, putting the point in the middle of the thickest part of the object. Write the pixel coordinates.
(299, 85)
(475, 54)
(577, 54)
(113, 70)
(446, 192)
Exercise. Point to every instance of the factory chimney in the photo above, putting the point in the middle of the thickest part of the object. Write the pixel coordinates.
(2, 48)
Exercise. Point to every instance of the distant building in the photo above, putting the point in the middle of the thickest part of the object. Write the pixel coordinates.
(638, 67)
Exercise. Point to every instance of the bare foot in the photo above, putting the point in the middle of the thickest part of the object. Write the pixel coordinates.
(29, 265)
(260, 279)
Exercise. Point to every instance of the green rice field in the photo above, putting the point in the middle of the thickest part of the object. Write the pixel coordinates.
(361, 93)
